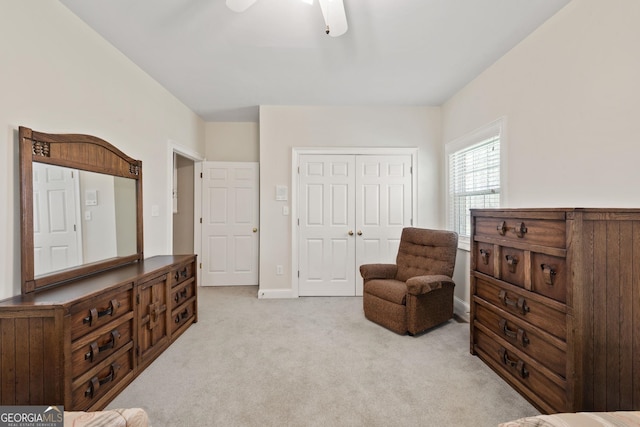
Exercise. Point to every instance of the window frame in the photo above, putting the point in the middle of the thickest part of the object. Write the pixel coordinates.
(482, 134)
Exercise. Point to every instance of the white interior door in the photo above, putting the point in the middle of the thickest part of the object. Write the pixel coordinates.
(326, 213)
(352, 209)
(230, 224)
(383, 208)
(55, 210)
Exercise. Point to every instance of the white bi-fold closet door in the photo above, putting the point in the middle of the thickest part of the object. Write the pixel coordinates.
(351, 211)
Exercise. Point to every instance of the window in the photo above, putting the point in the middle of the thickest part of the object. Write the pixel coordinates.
(473, 177)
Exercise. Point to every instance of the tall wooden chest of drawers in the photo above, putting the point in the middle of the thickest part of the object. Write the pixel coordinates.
(79, 344)
(555, 304)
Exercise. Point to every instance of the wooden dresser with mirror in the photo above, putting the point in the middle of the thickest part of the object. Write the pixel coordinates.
(93, 312)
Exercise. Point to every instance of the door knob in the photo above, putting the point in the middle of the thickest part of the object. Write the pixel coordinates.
(255, 230)
(350, 232)
(359, 232)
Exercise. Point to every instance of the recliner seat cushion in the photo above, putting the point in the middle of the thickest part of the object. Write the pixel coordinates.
(390, 290)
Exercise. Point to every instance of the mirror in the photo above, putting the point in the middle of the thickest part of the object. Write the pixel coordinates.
(81, 207)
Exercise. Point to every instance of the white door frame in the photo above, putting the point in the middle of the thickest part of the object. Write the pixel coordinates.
(296, 152)
(172, 148)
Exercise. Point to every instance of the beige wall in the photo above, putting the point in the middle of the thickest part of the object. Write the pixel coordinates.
(58, 75)
(571, 96)
(232, 142)
(283, 128)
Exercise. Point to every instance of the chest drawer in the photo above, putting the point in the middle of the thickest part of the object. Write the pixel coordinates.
(92, 314)
(91, 387)
(512, 266)
(544, 232)
(525, 306)
(182, 273)
(521, 370)
(93, 348)
(182, 292)
(548, 276)
(183, 315)
(533, 342)
(484, 256)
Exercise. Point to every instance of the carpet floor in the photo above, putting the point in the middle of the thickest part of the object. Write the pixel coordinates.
(316, 362)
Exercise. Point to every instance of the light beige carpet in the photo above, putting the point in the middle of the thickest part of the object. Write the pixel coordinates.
(316, 362)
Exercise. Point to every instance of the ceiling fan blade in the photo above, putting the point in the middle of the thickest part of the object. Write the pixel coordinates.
(334, 17)
(239, 5)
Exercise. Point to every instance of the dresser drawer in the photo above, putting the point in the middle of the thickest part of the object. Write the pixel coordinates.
(182, 273)
(535, 343)
(544, 232)
(484, 256)
(524, 305)
(183, 315)
(521, 370)
(90, 388)
(92, 349)
(548, 276)
(512, 266)
(182, 292)
(90, 315)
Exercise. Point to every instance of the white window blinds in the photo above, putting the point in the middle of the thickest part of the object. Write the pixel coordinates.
(474, 182)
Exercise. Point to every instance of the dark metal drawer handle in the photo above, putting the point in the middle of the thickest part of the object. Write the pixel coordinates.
(179, 295)
(517, 365)
(548, 273)
(95, 382)
(512, 262)
(485, 254)
(520, 304)
(182, 315)
(520, 229)
(94, 314)
(182, 273)
(95, 350)
(519, 335)
(502, 228)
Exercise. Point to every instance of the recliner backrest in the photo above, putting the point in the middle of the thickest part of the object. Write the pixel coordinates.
(426, 252)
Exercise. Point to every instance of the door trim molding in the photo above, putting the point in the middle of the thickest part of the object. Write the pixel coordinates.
(296, 152)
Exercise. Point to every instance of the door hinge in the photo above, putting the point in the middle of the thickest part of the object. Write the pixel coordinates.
(298, 273)
(138, 350)
(137, 299)
(200, 266)
(200, 220)
(74, 227)
(298, 170)
(201, 175)
(298, 222)
(410, 169)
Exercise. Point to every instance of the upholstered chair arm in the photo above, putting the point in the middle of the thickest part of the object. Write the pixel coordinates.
(378, 271)
(421, 285)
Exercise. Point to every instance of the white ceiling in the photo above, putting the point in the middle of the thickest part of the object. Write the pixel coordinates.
(223, 64)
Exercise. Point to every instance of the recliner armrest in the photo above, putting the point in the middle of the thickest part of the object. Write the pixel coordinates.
(421, 285)
(378, 271)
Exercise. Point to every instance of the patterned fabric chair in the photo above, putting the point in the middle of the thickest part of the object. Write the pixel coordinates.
(415, 293)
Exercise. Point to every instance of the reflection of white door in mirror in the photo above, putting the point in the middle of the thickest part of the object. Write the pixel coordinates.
(57, 233)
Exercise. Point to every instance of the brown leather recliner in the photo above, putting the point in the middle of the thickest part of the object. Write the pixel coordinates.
(415, 293)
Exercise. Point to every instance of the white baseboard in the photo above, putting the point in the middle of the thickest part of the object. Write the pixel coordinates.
(276, 293)
(461, 309)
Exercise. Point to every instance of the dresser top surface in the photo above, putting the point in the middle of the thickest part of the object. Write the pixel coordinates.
(88, 286)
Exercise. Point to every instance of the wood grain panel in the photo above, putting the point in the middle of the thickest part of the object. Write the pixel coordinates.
(599, 315)
(612, 327)
(625, 344)
(635, 330)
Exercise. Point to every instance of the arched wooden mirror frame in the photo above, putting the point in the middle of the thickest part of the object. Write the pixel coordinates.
(82, 152)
